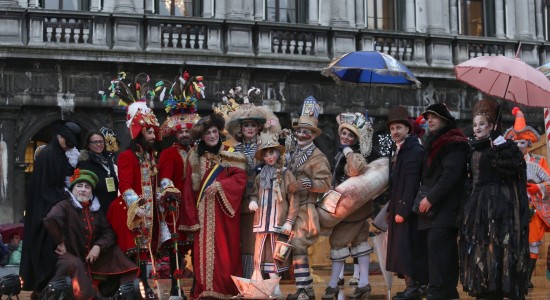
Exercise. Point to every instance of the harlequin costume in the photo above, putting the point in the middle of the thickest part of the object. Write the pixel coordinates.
(312, 171)
(539, 194)
(245, 111)
(137, 236)
(215, 219)
(80, 226)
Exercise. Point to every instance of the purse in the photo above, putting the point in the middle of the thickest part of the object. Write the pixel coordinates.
(422, 192)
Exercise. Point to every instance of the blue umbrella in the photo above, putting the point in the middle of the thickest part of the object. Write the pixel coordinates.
(370, 68)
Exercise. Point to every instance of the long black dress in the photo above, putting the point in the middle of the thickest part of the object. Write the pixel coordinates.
(47, 188)
(104, 167)
(493, 246)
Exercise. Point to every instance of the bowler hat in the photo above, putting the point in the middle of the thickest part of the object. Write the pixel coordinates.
(399, 114)
(440, 110)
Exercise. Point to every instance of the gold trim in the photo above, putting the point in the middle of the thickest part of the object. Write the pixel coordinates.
(210, 241)
(192, 228)
(216, 295)
(226, 206)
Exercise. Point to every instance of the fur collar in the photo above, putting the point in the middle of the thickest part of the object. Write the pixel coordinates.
(95, 202)
(453, 136)
(226, 158)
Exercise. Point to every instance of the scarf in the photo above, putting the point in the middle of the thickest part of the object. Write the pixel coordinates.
(267, 174)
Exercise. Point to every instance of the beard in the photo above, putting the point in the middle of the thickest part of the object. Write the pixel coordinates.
(82, 198)
(185, 141)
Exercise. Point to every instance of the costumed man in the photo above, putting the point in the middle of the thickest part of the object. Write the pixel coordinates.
(86, 244)
(244, 126)
(539, 190)
(181, 107)
(355, 133)
(48, 184)
(133, 215)
(214, 187)
(406, 244)
(312, 171)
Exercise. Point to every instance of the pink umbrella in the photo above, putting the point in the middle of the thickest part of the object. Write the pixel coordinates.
(507, 78)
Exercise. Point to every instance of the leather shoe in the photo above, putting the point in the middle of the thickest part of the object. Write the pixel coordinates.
(340, 281)
(409, 294)
(331, 293)
(360, 292)
(302, 294)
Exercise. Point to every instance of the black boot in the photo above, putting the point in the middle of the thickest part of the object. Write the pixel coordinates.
(532, 265)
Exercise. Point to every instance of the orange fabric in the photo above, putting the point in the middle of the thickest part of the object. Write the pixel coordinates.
(537, 227)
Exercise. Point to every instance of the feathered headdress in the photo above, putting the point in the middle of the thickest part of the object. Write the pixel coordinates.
(180, 101)
(133, 92)
(111, 142)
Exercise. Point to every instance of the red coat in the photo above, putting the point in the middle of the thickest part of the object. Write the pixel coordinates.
(130, 177)
(172, 163)
(217, 253)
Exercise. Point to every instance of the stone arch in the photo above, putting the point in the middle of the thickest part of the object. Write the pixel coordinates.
(42, 122)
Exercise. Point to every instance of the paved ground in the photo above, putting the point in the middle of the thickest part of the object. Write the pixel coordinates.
(379, 290)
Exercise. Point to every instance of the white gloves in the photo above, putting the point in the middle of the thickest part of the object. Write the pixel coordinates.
(287, 228)
(253, 205)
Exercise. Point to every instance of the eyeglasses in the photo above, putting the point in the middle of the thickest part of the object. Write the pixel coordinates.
(97, 142)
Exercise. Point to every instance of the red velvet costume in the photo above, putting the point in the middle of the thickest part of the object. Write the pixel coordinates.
(172, 163)
(217, 253)
(139, 177)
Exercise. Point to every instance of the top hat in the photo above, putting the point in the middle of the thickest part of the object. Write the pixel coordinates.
(399, 114)
(309, 117)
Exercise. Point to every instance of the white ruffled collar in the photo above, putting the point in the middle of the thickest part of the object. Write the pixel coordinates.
(95, 202)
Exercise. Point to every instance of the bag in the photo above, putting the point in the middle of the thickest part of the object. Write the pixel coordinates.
(422, 192)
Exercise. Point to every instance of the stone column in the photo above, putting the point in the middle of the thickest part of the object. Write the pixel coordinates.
(453, 16)
(313, 13)
(259, 9)
(499, 19)
(435, 16)
(539, 20)
(149, 6)
(124, 6)
(219, 9)
(95, 5)
(234, 9)
(522, 20)
(360, 14)
(339, 12)
(7, 148)
(207, 9)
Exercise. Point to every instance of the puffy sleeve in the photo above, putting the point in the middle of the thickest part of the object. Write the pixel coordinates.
(356, 164)
(319, 174)
(231, 188)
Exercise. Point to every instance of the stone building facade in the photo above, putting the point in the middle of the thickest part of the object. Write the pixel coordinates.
(56, 55)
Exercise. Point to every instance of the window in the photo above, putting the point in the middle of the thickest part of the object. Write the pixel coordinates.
(477, 17)
(286, 11)
(65, 4)
(180, 8)
(381, 14)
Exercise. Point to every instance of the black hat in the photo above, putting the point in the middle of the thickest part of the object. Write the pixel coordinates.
(399, 114)
(70, 131)
(204, 123)
(440, 110)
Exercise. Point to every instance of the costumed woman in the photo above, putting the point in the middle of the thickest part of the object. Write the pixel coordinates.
(244, 124)
(276, 208)
(494, 220)
(355, 133)
(98, 157)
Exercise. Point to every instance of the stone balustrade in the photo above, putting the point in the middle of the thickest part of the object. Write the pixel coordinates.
(283, 45)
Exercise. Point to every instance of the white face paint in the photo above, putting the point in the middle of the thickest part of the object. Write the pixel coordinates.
(481, 126)
(523, 146)
(82, 191)
(305, 136)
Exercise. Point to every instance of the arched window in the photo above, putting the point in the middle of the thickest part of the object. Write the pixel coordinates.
(65, 4)
(286, 11)
(179, 8)
(385, 14)
(477, 17)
